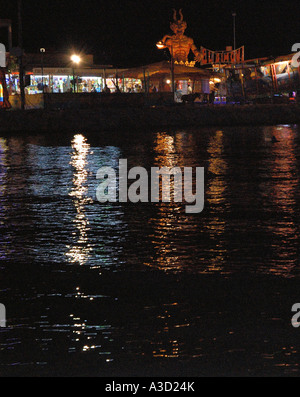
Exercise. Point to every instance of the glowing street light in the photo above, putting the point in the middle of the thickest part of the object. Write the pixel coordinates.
(160, 45)
(76, 60)
(42, 51)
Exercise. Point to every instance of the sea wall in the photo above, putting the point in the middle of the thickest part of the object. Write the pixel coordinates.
(144, 118)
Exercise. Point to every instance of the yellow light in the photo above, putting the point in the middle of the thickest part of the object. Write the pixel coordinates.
(160, 45)
(282, 63)
(168, 81)
(75, 59)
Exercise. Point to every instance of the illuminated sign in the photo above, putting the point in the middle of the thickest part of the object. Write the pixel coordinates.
(52, 71)
(222, 57)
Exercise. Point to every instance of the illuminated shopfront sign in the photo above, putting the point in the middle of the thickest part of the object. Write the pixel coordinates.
(53, 71)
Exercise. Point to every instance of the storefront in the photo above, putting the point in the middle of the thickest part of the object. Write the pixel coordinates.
(158, 78)
(91, 84)
(62, 83)
(62, 80)
(13, 83)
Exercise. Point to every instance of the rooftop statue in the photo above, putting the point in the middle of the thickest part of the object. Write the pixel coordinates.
(179, 45)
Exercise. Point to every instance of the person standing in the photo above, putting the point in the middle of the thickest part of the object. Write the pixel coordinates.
(106, 89)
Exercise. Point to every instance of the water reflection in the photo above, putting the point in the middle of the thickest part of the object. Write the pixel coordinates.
(80, 251)
(85, 337)
(3, 160)
(143, 292)
(217, 167)
(280, 190)
(170, 221)
(3, 172)
(13, 187)
(216, 198)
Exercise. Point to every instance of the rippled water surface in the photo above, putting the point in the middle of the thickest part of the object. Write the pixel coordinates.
(137, 289)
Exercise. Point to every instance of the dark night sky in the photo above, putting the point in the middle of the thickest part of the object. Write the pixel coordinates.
(124, 32)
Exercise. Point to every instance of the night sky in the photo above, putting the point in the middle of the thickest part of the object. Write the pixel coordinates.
(124, 32)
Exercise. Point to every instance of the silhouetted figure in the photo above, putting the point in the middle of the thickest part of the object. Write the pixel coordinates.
(212, 98)
(189, 98)
(106, 89)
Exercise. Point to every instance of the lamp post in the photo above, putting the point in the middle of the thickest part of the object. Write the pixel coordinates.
(172, 71)
(21, 68)
(42, 51)
(160, 45)
(234, 35)
(234, 30)
(76, 61)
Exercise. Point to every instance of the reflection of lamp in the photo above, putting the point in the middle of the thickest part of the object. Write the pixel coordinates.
(76, 60)
(79, 252)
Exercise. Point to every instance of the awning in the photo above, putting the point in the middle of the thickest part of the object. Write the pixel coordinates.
(82, 72)
(160, 69)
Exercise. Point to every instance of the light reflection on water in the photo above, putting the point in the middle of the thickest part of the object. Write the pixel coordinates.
(97, 276)
(80, 252)
(3, 149)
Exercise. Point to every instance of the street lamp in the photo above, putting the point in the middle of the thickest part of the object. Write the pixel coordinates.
(234, 31)
(160, 45)
(234, 35)
(76, 61)
(42, 51)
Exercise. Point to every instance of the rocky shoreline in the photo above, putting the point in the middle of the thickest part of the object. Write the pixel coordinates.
(146, 118)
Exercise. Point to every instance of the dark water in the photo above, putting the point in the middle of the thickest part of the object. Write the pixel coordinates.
(145, 289)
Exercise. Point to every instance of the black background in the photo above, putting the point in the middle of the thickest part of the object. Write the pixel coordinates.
(124, 32)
